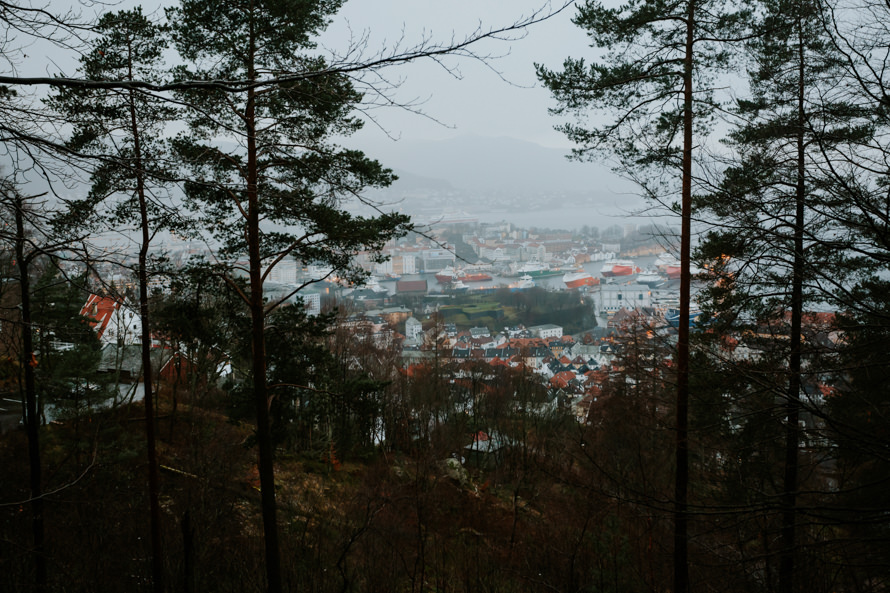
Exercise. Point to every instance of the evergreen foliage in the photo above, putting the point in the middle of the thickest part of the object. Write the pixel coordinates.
(748, 454)
(277, 190)
(657, 81)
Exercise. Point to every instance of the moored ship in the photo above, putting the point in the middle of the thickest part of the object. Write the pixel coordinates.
(457, 286)
(446, 275)
(650, 278)
(673, 271)
(619, 267)
(475, 277)
(665, 259)
(525, 282)
(579, 278)
(370, 290)
(536, 270)
(696, 317)
(450, 274)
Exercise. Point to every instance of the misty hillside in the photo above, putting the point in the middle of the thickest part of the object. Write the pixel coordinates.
(492, 164)
(409, 182)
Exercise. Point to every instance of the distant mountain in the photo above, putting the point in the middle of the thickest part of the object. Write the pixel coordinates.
(492, 164)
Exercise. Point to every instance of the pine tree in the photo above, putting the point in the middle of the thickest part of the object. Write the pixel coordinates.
(27, 237)
(277, 187)
(776, 241)
(121, 128)
(24, 256)
(656, 76)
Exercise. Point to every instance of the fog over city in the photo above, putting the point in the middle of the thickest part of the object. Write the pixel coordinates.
(476, 136)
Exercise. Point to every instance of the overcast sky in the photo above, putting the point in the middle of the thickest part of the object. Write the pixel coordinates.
(481, 102)
(495, 98)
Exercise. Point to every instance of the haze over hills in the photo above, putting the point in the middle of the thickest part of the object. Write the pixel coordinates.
(492, 179)
(495, 164)
(502, 179)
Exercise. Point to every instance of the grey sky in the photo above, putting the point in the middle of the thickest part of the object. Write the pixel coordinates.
(480, 103)
(500, 99)
(497, 98)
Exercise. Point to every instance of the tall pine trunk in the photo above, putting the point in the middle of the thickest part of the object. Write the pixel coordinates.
(681, 478)
(157, 565)
(258, 342)
(792, 404)
(32, 421)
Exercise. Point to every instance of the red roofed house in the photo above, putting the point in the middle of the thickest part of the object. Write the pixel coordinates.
(562, 379)
(114, 323)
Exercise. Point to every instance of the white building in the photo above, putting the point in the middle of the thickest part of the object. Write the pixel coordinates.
(312, 301)
(404, 264)
(413, 329)
(114, 322)
(548, 330)
(434, 260)
(613, 297)
(284, 272)
(399, 265)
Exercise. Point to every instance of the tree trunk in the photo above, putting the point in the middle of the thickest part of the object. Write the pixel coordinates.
(32, 419)
(157, 564)
(257, 320)
(792, 404)
(681, 484)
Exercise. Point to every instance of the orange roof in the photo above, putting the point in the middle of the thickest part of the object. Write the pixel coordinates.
(597, 376)
(522, 342)
(556, 381)
(562, 379)
(100, 309)
(826, 391)
(414, 369)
